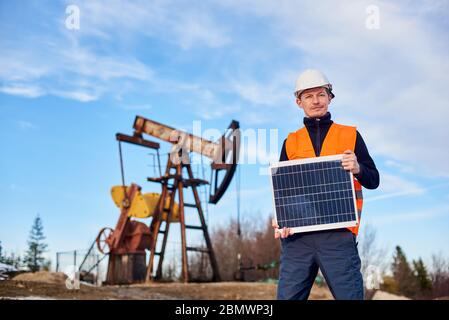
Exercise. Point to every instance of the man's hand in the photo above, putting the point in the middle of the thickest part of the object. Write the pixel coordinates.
(283, 233)
(349, 162)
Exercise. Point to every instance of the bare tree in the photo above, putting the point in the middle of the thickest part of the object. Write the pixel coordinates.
(227, 245)
(374, 265)
(200, 268)
(370, 252)
(251, 255)
(440, 276)
(171, 272)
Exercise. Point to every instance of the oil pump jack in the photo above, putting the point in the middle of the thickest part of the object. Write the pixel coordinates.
(126, 245)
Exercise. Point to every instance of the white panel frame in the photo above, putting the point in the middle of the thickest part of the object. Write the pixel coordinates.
(327, 226)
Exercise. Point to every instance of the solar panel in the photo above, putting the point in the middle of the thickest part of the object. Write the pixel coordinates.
(313, 194)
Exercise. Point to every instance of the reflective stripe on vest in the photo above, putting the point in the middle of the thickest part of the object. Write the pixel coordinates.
(339, 138)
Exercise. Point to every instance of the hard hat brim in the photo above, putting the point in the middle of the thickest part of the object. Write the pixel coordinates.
(298, 93)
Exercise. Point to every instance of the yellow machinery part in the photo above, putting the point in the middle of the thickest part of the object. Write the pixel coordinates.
(151, 200)
(143, 205)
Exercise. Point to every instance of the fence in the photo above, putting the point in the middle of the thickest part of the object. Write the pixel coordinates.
(87, 263)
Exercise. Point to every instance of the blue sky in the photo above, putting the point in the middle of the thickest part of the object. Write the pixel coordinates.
(65, 93)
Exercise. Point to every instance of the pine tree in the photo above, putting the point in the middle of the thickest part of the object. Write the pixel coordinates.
(422, 277)
(36, 247)
(406, 282)
(2, 255)
(2, 258)
(14, 260)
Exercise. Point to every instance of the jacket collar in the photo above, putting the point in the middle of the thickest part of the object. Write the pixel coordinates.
(323, 121)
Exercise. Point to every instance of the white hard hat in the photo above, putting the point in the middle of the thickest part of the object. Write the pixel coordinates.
(312, 78)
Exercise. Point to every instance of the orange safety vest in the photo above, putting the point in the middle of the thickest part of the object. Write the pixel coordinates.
(339, 138)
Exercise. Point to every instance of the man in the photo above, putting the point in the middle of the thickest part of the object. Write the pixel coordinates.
(334, 252)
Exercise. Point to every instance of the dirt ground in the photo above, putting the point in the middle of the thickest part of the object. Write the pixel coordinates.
(52, 286)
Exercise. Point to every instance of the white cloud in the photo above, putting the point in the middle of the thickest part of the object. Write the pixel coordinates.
(71, 69)
(203, 102)
(392, 183)
(137, 107)
(266, 101)
(26, 125)
(76, 95)
(250, 193)
(390, 82)
(403, 168)
(63, 68)
(397, 218)
(214, 110)
(392, 186)
(276, 90)
(201, 29)
(27, 91)
(257, 93)
(14, 66)
(83, 62)
(180, 23)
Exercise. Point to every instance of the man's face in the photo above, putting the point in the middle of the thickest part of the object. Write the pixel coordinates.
(314, 102)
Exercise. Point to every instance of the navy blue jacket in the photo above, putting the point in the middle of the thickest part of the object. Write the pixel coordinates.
(318, 128)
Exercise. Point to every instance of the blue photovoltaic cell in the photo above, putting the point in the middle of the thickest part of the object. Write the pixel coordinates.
(312, 194)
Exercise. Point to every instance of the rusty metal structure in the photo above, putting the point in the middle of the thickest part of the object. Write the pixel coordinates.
(127, 243)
